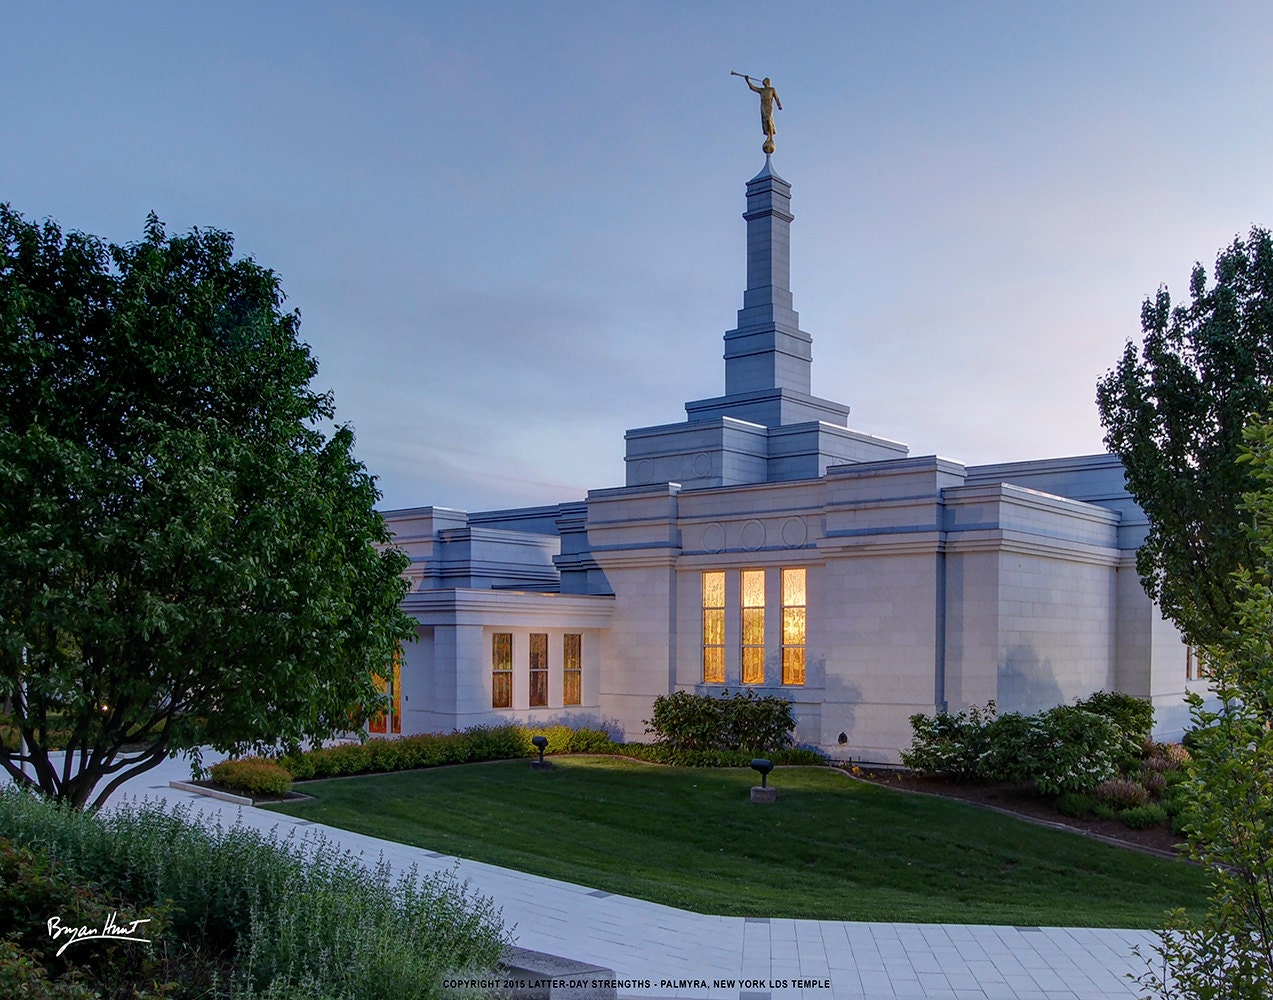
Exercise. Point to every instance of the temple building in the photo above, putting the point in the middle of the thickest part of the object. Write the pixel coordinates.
(762, 543)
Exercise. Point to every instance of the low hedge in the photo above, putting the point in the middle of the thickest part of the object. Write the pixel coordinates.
(482, 743)
(252, 775)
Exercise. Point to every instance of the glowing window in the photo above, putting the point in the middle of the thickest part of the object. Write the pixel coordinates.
(1195, 664)
(571, 669)
(753, 644)
(714, 627)
(794, 626)
(502, 670)
(538, 669)
(392, 686)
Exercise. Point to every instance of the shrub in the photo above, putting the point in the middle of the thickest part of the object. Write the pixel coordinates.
(298, 918)
(1143, 817)
(589, 741)
(1155, 782)
(1074, 749)
(949, 745)
(1121, 793)
(687, 721)
(1176, 755)
(1154, 762)
(1074, 804)
(1133, 716)
(33, 890)
(1011, 748)
(744, 722)
(254, 776)
(757, 724)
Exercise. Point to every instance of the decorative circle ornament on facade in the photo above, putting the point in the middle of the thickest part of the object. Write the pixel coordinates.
(714, 537)
(794, 532)
(753, 536)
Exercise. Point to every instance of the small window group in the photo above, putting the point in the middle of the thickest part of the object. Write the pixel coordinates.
(537, 669)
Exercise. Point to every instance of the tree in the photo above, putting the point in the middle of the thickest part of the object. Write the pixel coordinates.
(186, 559)
(1227, 953)
(1174, 414)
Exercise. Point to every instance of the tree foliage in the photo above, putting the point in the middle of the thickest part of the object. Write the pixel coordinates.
(1174, 413)
(186, 559)
(1227, 954)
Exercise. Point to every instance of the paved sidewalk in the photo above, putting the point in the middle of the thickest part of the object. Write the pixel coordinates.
(659, 951)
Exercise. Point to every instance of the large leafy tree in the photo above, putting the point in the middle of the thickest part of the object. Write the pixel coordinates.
(186, 557)
(1174, 412)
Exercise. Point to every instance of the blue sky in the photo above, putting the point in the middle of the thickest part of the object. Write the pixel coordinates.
(514, 230)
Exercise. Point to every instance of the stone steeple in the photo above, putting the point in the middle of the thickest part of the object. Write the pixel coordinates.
(767, 427)
(768, 350)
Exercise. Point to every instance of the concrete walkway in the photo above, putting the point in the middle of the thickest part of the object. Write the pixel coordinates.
(659, 951)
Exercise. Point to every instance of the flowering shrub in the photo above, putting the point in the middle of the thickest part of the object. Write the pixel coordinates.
(1121, 793)
(252, 775)
(1155, 782)
(950, 745)
(1074, 750)
(1063, 749)
(1134, 718)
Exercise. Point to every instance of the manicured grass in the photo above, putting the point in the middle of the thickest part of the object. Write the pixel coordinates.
(830, 848)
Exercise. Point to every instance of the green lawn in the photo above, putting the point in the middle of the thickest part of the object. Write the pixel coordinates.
(830, 848)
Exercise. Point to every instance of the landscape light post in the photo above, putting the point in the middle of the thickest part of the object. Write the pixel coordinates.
(763, 793)
(540, 743)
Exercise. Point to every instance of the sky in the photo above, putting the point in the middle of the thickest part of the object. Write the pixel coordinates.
(513, 230)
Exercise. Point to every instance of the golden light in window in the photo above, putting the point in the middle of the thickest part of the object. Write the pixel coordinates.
(753, 622)
(713, 627)
(794, 626)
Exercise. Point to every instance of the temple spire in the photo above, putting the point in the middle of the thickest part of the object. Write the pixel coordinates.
(768, 350)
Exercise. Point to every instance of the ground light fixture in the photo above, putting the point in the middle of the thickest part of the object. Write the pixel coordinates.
(762, 792)
(541, 744)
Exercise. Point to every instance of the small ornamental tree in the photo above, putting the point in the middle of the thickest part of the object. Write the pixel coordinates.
(186, 559)
(1227, 953)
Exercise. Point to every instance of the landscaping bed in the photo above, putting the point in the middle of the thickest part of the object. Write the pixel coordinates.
(1022, 798)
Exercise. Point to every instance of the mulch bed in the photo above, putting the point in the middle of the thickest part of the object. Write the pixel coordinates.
(1024, 800)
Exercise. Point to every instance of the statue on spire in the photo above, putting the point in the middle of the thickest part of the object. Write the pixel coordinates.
(768, 98)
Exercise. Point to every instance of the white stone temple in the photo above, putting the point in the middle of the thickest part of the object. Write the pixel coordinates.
(761, 543)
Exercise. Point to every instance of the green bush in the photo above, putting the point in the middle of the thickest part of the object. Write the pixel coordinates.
(253, 776)
(1133, 716)
(1064, 749)
(949, 745)
(1074, 804)
(1143, 817)
(1011, 745)
(687, 721)
(33, 890)
(744, 722)
(297, 919)
(508, 742)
